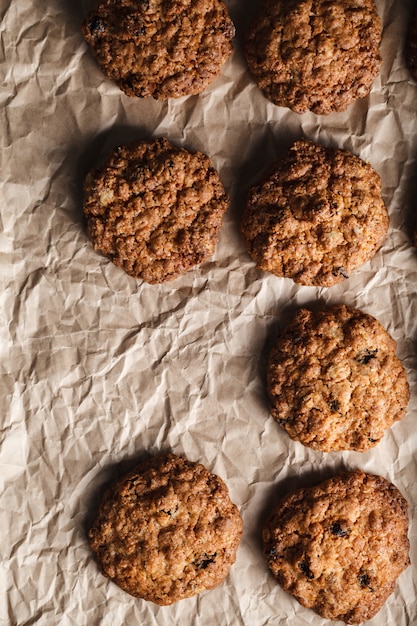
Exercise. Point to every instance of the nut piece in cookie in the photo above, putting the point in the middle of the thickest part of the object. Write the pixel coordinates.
(334, 380)
(315, 55)
(411, 46)
(167, 530)
(155, 210)
(316, 217)
(159, 48)
(339, 547)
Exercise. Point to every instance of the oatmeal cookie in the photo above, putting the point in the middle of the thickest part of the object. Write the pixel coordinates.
(315, 55)
(167, 530)
(316, 217)
(155, 210)
(411, 47)
(160, 48)
(334, 380)
(339, 547)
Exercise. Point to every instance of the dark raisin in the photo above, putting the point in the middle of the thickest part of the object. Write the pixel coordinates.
(131, 486)
(271, 553)
(334, 405)
(365, 580)
(372, 440)
(96, 26)
(340, 271)
(205, 560)
(367, 356)
(169, 511)
(336, 529)
(306, 570)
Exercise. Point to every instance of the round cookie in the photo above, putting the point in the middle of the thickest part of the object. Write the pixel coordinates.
(334, 380)
(411, 47)
(316, 217)
(167, 530)
(155, 210)
(339, 547)
(315, 55)
(158, 48)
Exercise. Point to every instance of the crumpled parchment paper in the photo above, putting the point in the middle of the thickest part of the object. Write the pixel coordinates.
(98, 369)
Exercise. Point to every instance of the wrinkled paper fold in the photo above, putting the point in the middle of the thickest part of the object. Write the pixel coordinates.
(99, 369)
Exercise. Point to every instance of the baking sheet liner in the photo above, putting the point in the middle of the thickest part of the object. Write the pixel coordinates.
(99, 370)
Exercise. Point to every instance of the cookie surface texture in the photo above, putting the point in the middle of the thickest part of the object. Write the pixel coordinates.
(339, 547)
(411, 46)
(167, 530)
(334, 380)
(315, 55)
(160, 48)
(316, 217)
(155, 210)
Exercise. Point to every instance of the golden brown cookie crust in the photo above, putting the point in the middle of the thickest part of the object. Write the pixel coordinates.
(167, 530)
(155, 210)
(315, 55)
(339, 547)
(316, 217)
(159, 48)
(334, 380)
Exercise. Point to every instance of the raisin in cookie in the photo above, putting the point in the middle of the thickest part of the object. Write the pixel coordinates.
(155, 210)
(411, 47)
(167, 530)
(339, 547)
(316, 217)
(334, 380)
(315, 55)
(159, 48)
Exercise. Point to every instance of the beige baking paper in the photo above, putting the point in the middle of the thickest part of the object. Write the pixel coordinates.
(99, 369)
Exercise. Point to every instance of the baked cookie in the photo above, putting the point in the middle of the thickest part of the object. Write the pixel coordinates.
(316, 217)
(160, 48)
(334, 380)
(155, 210)
(167, 530)
(315, 55)
(411, 47)
(339, 547)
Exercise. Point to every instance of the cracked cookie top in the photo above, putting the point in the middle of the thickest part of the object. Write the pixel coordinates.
(155, 210)
(160, 48)
(340, 546)
(315, 55)
(334, 380)
(167, 530)
(316, 217)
